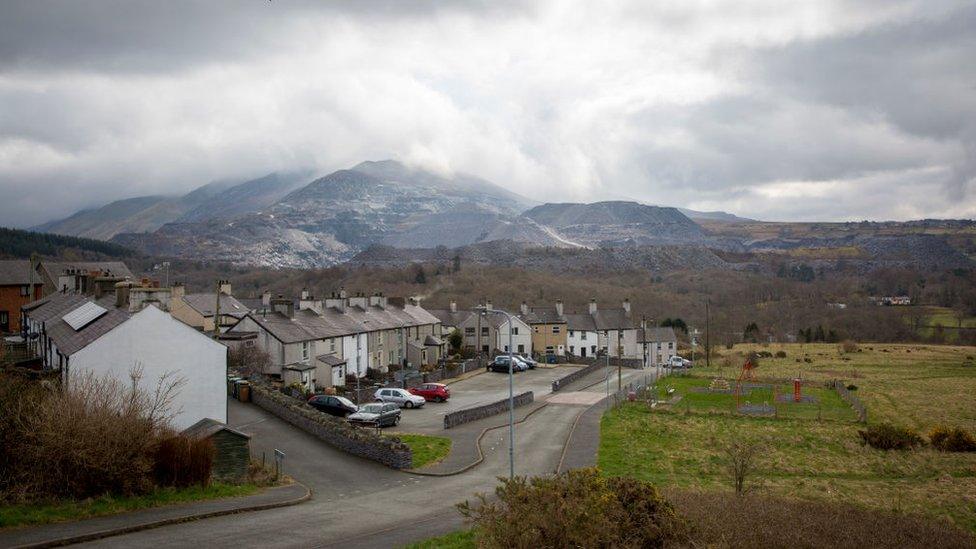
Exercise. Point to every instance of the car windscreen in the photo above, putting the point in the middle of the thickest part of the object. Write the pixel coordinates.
(372, 408)
(345, 402)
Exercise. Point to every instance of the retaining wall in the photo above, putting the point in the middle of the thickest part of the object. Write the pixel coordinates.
(578, 374)
(334, 431)
(480, 412)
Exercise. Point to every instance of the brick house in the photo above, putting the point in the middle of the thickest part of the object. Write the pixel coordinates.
(15, 282)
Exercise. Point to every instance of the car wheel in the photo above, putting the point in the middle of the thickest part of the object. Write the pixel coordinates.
(409, 404)
(440, 399)
(396, 421)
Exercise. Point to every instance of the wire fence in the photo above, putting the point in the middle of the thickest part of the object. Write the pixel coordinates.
(850, 398)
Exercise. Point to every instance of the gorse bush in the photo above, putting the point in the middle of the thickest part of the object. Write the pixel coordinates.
(574, 509)
(890, 437)
(952, 439)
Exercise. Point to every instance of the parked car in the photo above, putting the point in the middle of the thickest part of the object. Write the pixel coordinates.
(678, 362)
(529, 361)
(400, 397)
(438, 392)
(380, 414)
(500, 364)
(333, 405)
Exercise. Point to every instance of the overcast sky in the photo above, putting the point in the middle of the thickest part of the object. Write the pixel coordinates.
(775, 110)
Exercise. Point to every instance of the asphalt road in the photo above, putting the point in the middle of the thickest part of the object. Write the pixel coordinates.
(357, 503)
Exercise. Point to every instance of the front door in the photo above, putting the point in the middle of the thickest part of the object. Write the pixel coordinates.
(583, 352)
(4, 321)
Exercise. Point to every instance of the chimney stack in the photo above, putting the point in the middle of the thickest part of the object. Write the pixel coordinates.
(178, 291)
(305, 294)
(266, 298)
(284, 306)
(487, 303)
(627, 306)
(342, 293)
(524, 307)
(225, 287)
(122, 294)
(559, 307)
(592, 306)
(453, 306)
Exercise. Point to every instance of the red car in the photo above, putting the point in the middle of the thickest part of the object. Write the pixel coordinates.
(437, 392)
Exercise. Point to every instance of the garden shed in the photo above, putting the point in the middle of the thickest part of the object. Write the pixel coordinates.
(232, 449)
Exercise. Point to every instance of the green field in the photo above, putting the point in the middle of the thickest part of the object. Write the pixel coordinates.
(914, 385)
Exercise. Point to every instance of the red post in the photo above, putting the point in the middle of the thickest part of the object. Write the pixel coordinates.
(796, 390)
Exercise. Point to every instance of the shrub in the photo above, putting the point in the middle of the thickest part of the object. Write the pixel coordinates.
(182, 461)
(952, 439)
(575, 509)
(886, 436)
(847, 346)
(98, 437)
(852, 387)
(248, 361)
(780, 354)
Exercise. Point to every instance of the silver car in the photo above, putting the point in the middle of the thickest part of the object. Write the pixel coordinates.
(379, 414)
(400, 397)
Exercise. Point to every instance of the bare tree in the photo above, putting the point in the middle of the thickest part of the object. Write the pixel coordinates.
(741, 460)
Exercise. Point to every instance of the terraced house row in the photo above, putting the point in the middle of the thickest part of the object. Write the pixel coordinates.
(318, 342)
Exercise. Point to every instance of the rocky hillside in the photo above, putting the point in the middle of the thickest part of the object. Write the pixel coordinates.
(617, 223)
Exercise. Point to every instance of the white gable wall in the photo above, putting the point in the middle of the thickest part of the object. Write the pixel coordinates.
(161, 344)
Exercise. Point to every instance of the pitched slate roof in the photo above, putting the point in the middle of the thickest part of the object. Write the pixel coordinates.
(543, 315)
(306, 325)
(330, 360)
(206, 428)
(432, 341)
(580, 322)
(613, 319)
(108, 268)
(16, 272)
(658, 333)
(450, 318)
(206, 304)
(67, 339)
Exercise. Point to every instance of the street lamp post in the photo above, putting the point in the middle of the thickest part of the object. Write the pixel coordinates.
(511, 390)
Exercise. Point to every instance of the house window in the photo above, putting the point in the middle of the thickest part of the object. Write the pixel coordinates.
(535, 329)
(469, 331)
(670, 345)
(658, 346)
(332, 345)
(583, 336)
(606, 333)
(305, 350)
(572, 350)
(555, 329)
(249, 343)
(571, 334)
(506, 349)
(550, 350)
(515, 330)
(25, 291)
(521, 348)
(484, 331)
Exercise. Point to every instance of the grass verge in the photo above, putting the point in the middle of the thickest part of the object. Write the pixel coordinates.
(427, 449)
(45, 513)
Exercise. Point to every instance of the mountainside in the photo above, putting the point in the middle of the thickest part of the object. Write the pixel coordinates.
(615, 223)
(149, 213)
(713, 216)
(333, 217)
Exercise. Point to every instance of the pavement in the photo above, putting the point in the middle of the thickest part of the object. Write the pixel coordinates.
(358, 503)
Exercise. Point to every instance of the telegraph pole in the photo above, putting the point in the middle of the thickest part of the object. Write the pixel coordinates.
(217, 312)
(708, 345)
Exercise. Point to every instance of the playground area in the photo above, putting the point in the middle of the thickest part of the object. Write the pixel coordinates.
(756, 397)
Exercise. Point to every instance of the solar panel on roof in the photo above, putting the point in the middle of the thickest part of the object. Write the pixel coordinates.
(84, 315)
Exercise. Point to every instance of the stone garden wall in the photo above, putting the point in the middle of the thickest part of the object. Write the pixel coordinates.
(480, 412)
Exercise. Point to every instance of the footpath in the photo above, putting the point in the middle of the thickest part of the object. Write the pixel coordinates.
(65, 533)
